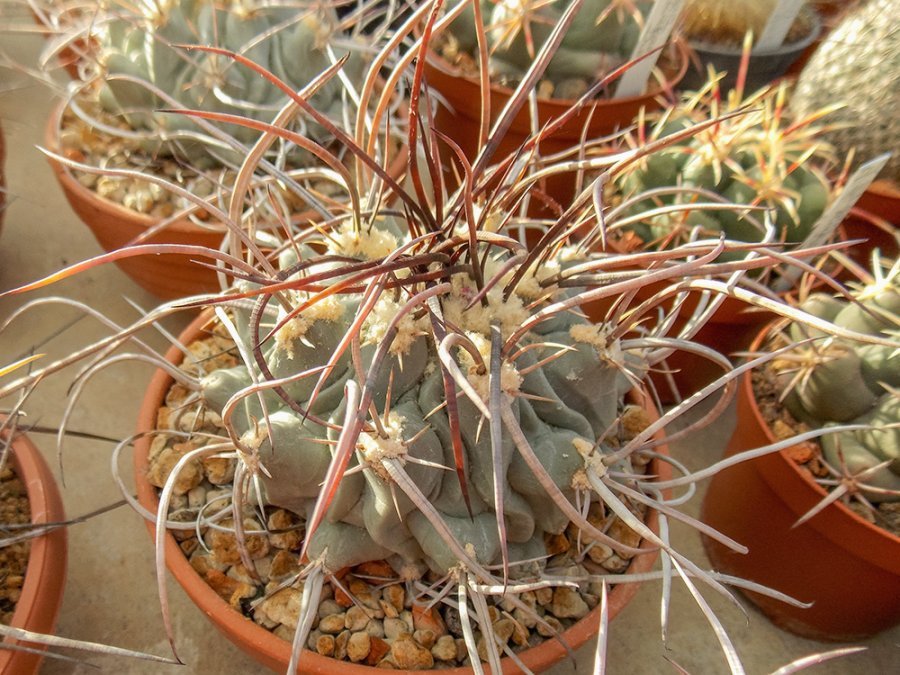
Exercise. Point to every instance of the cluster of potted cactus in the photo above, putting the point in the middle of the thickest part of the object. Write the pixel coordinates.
(416, 423)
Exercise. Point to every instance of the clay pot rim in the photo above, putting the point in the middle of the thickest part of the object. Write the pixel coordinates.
(787, 465)
(45, 573)
(273, 650)
(440, 63)
(885, 188)
(788, 47)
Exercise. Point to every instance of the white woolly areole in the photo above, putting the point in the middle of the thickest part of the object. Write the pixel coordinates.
(369, 243)
(509, 314)
(510, 379)
(327, 309)
(374, 448)
(597, 336)
(375, 327)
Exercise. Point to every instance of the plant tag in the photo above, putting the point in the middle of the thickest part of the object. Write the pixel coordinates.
(835, 214)
(660, 23)
(780, 22)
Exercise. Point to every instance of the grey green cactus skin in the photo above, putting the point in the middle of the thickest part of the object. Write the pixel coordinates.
(580, 398)
(751, 159)
(142, 46)
(852, 383)
(602, 36)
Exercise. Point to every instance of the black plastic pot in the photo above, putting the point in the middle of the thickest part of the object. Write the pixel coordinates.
(764, 67)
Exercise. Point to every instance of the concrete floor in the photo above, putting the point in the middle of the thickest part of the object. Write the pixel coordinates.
(111, 594)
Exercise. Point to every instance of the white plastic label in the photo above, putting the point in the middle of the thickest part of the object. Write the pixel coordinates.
(657, 29)
(780, 22)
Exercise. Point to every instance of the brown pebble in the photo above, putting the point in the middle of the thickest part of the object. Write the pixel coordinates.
(549, 627)
(444, 649)
(428, 618)
(325, 645)
(425, 638)
(395, 594)
(377, 650)
(410, 656)
(359, 646)
(332, 624)
(568, 604)
(341, 643)
(356, 619)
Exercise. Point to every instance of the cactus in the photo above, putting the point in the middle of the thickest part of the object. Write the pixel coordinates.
(602, 36)
(762, 159)
(562, 406)
(292, 42)
(846, 382)
(858, 66)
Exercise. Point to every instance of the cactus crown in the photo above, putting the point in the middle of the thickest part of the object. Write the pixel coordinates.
(835, 381)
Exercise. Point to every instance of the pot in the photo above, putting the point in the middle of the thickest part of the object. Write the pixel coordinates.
(848, 568)
(461, 120)
(45, 576)
(274, 652)
(765, 67)
(882, 199)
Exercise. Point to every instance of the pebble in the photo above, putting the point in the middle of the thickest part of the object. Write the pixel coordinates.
(378, 648)
(325, 645)
(358, 647)
(568, 604)
(410, 656)
(332, 624)
(395, 594)
(394, 628)
(289, 540)
(427, 618)
(375, 628)
(426, 638)
(550, 627)
(341, 643)
(282, 607)
(444, 649)
(356, 619)
(329, 607)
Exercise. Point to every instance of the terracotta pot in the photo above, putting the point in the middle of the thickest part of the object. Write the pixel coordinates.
(461, 121)
(849, 568)
(882, 199)
(45, 575)
(273, 652)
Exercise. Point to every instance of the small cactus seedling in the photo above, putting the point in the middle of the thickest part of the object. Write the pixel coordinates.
(829, 381)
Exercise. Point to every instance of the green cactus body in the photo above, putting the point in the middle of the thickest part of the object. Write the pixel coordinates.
(563, 406)
(757, 160)
(848, 382)
(602, 35)
(142, 46)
